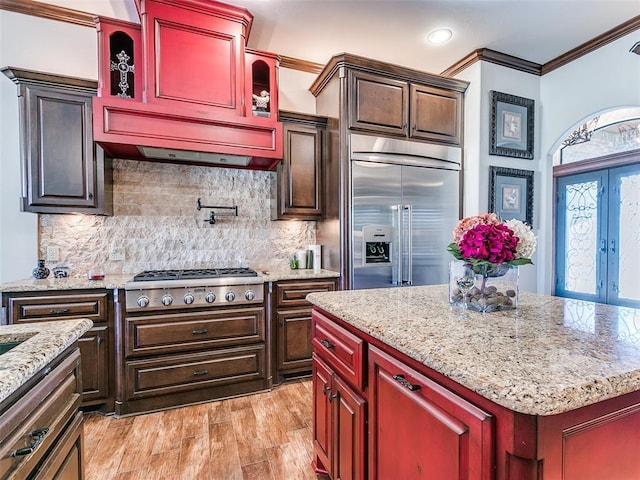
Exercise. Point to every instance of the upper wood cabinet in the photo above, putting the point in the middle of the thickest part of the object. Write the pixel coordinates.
(390, 106)
(297, 192)
(63, 170)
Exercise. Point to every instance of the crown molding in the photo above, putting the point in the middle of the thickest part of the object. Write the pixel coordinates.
(51, 12)
(593, 44)
(302, 65)
(492, 56)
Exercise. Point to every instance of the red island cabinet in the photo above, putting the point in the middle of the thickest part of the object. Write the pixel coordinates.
(338, 406)
(421, 424)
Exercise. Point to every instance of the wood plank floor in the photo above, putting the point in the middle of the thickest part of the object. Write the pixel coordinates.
(263, 436)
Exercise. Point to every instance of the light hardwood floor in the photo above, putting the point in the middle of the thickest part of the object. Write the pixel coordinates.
(262, 436)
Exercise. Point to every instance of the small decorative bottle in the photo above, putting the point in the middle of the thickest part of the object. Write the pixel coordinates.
(40, 272)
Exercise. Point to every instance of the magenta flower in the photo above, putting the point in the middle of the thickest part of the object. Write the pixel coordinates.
(495, 243)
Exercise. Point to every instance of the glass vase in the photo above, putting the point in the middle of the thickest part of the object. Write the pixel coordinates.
(495, 287)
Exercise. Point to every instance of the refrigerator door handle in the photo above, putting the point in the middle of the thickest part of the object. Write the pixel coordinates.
(397, 272)
(409, 280)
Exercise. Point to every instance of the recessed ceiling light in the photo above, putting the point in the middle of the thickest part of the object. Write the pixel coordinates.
(440, 35)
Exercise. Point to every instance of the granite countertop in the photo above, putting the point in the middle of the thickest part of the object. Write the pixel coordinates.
(552, 356)
(118, 281)
(41, 343)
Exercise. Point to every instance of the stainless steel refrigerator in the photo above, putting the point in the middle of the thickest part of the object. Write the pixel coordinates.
(405, 202)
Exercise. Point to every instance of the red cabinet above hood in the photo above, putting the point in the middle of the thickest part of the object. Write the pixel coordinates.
(181, 86)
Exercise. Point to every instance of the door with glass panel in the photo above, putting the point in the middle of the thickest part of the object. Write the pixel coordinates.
(598, 236)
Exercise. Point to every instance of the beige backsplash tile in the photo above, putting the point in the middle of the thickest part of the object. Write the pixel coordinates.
(156, 221)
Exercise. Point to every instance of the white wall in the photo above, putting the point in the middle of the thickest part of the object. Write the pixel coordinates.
(602, 80)
(484, 77)
(35, 44)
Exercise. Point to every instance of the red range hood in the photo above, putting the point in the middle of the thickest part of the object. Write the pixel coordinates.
(182, 87)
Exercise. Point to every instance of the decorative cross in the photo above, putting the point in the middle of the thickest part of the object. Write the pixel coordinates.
(124, 68)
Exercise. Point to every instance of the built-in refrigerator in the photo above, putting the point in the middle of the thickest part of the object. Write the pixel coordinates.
(404, 204)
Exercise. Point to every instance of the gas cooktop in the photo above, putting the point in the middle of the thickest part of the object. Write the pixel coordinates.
(149, 275)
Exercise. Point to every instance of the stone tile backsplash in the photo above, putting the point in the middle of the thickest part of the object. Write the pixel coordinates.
(156, 221)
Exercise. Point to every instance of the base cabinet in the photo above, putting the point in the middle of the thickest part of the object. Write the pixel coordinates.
(418, 429)
(292, 324)
(41, 427)
(339, 425)
(96, 345)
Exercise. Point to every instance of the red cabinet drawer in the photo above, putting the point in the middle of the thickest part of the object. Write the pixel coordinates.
(343, 351)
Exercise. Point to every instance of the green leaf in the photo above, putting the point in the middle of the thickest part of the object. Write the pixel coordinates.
(521, 261)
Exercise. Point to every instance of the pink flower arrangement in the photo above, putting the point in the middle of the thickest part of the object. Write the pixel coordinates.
(484, 239)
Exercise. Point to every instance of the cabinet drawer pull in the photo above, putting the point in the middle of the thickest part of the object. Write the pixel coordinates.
(200, 372)
(38, 437)
(326, 343)
(202, 331)
(332, 396)
(58, 312)
(325, 389)
(406, 383)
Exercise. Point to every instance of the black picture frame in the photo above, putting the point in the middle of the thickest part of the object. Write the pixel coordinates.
(511, 193)
(511, 126)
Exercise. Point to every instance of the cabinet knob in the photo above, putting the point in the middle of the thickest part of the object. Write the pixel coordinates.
(325, 389)
(90, 195)
(332, 396)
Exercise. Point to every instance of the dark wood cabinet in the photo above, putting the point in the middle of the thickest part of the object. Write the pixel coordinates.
(292, 324)
(389, 106)
(96, 345)
(438, 433)
(63, 170)
(297, 188)
(40, 425)
(185, 357)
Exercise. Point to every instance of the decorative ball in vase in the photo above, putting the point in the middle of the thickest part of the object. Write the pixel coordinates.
(40, 272)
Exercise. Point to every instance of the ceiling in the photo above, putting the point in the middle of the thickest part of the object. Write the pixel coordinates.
(394, 30)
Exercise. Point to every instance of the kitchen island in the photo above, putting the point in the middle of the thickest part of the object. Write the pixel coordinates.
(550, 391)
(40, 395)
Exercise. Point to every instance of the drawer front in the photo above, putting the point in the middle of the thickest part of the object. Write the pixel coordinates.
(180, 373)
(343, 351)
(193, 331)
(32, 309)
(294, 294)
(49, 405)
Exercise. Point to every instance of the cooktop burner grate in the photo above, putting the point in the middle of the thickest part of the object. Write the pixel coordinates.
(194, 274)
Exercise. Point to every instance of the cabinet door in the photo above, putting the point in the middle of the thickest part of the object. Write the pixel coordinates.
(299, 174)
(436, 115)
(322, 428)
(349, 421)
(378, 104)
(294, 339)
(63, 168)
(94, 358)
(418, 429)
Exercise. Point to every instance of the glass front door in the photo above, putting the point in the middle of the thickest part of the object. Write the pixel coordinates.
(598, 236)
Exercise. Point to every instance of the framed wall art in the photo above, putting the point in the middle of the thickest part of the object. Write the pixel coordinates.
(511, 127)
(511, 193)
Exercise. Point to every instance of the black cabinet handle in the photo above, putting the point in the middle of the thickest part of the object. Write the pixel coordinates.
(38, 438)
(406, 383)
(326, 343)
(202, 331)
(200, 372)
(58, 312)
(325, 389)
(332, 396)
